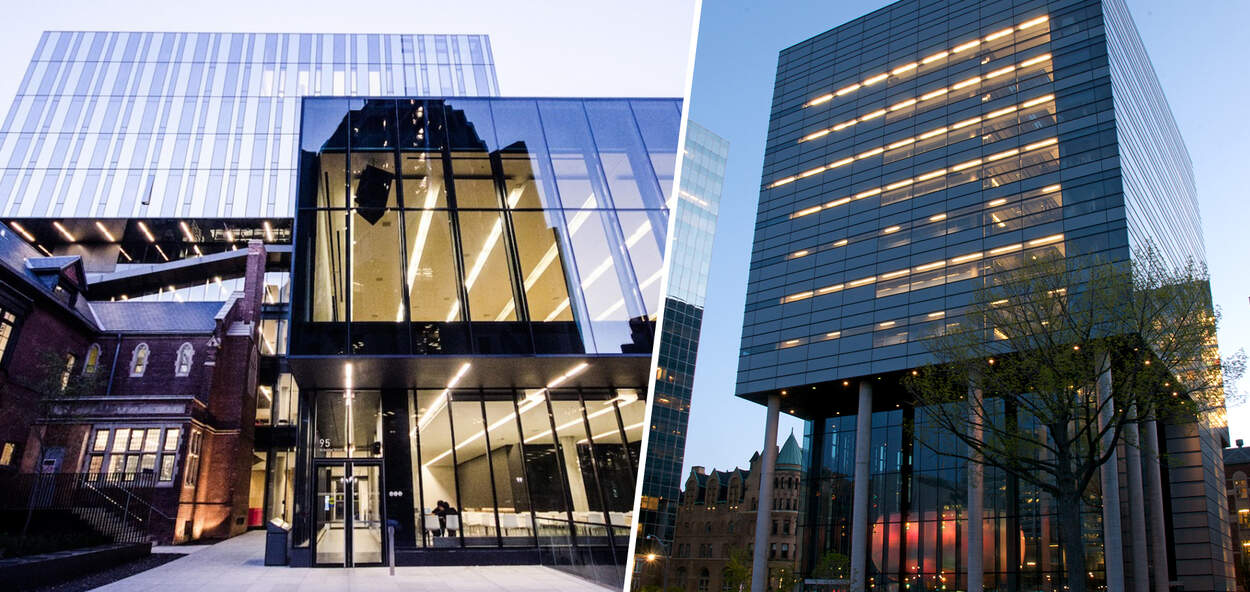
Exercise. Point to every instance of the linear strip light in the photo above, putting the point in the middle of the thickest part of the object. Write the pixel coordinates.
(1054, 238)
(871, 80)
(928, 96)
(925, 177)
(441, 400)
(105, 231)
(64, 231)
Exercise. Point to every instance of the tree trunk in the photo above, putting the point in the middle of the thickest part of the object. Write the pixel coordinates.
(1070, 541)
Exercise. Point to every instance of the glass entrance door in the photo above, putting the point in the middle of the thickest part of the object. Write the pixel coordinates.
(348, 529)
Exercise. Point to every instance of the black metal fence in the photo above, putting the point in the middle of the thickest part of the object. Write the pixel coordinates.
(117, 505)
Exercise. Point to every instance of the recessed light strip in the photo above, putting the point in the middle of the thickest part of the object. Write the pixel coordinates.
(941, 55)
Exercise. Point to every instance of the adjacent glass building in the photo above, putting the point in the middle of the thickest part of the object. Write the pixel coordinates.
(475, 285)
(702, 176)
(910, 152)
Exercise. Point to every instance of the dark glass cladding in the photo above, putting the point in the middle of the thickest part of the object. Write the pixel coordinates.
(908, 152)
(481, 226)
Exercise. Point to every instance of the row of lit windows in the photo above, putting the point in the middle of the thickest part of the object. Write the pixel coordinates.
(1052, 201)
(139, 360)
(914, 66)
(130, 452)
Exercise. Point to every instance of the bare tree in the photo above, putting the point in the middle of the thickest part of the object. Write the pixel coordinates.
(1032, 350)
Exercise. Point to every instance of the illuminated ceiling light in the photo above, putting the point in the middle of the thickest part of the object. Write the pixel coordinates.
(1035, 60)
(1046, 240)
(819, 100)
(1037, 101)
(1050, 188)
(965, 123)
(1042, 144)
(848, 89)
(838, 202)
(928, 266)
(937, 217)
(1033, 22)
(875, 79)
(998, 202)
(896, 185)
(268, 231)
(844, 125)
(814, 135)
(105, 231)
(124, 253)
(894, 274)
(810, 172)
(966, 258)
(790, 343)
(840, 243)
(574, 371)
(999, 72)
(229, 235)
(890, 230)
(965, 165)
(873, 115)
(936, 315)
(873, 152)
(966, 46)
(901, 143)
(1003, 111)
(886, 324)
(186, 231)
(902, 104)
(931, 133)
(931, 174)
(934, 94)
(147, 233)
(968, 82)
(904, 68)
(830, 289)
(1002, 155)
(161, 251)
(999, 302)
(833, 334)
(804, 212)
(64, 232)
(859, 282)
(869, 193)
(935, 57)
(348, 371)
(197, 250)
(22, 230)
(798, 254)
(45, 251)
(797, 297)
(998, 34)
(1006, 249)
(837, 163)
(780, 182)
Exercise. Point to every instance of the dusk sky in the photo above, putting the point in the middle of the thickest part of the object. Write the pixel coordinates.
(1197, 51)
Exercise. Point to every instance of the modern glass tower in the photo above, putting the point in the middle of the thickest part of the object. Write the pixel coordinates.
(698, 200)
(474, 294)
(910, 152)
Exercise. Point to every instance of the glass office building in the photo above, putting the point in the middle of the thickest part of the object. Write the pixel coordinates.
(698, 200)
(475, 285)
(911, 152)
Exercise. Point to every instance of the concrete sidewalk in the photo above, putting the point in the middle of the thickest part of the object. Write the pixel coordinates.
(237, 565)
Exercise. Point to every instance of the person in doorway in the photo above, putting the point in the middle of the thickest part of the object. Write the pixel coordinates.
(450, 510)
(440, 510)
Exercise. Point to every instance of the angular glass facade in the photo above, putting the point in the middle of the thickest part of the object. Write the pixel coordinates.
(198, 125)
(698, 200)
(911, 153)
(474, 290)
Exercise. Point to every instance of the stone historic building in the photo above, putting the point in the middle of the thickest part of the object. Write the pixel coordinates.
(715, 529)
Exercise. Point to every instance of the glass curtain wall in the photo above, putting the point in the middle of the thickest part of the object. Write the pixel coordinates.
(482, 226)
(497, 468)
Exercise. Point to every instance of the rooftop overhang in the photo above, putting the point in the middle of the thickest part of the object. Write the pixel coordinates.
(438, 372)
(837, 397)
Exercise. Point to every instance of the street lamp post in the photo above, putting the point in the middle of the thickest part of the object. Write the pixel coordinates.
(651, 558)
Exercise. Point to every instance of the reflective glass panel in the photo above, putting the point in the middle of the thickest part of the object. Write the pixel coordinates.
(431, 271)
(487, 277)
(377, 294)
(542, 265)
(329, 284)
(548, 493)
(438, 469)
(473, 470)
(511, 486)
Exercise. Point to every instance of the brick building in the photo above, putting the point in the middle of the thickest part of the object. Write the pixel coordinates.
(155, 399)
(715, 529)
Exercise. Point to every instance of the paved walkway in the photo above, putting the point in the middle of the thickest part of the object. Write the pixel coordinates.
(236, 565)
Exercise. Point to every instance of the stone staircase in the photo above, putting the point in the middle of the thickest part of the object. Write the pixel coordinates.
(110, 525)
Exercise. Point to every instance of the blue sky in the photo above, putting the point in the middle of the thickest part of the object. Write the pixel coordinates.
(1198, 55)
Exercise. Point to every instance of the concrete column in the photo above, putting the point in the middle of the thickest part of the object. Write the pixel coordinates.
(764, 508)
(1113, 540)
(859, 502)
(1154, 493)
(1137, 507)
(976, 494)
